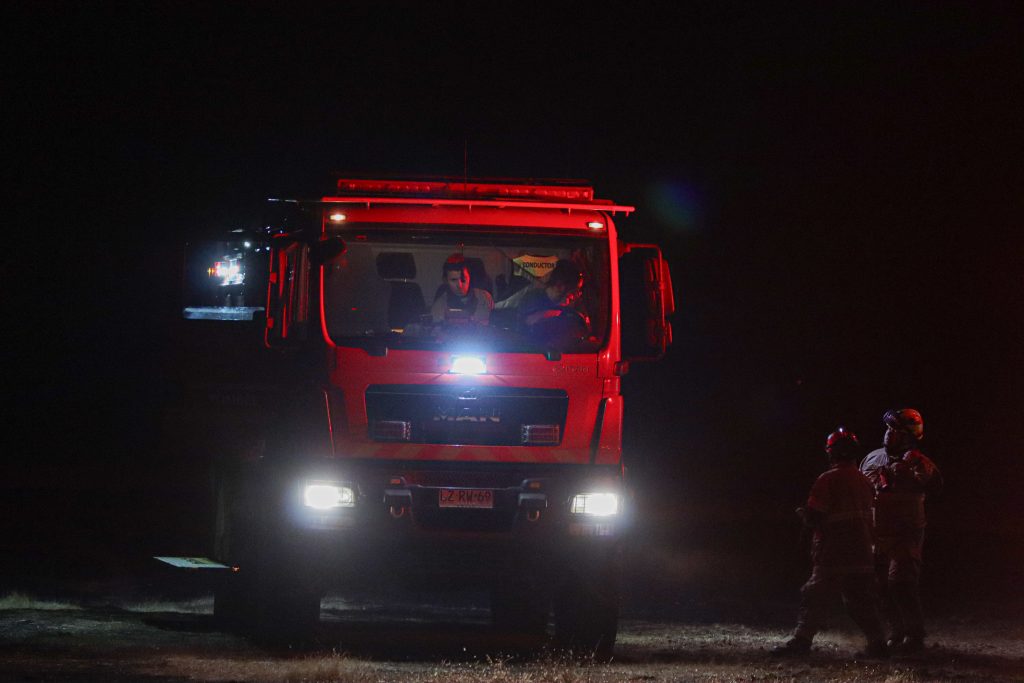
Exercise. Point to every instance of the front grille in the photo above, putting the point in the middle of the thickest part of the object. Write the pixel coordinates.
(486, 416)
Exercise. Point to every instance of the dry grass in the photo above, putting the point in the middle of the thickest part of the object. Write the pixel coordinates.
(338, 668)
(18, 600)
(196, 606)
(964, 649)
(22, 601)
(333, 669)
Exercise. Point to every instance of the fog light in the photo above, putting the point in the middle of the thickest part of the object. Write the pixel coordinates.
(391, 430)
(321, 496)
(597, 504)
(540, 435)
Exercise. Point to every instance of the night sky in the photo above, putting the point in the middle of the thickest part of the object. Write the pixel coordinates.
(837, 187)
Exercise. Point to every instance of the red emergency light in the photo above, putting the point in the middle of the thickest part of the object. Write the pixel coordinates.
(467, 189)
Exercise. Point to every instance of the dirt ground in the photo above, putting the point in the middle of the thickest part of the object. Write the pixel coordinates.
(121, 635)
(85, 601)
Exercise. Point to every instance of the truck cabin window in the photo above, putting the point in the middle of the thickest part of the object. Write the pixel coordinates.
(438, 289)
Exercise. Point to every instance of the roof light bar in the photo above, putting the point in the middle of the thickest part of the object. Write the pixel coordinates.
(490, 190)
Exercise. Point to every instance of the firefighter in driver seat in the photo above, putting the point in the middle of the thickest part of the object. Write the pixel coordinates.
(547, 313)
(458, 303)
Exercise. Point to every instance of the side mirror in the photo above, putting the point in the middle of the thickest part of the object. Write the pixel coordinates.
(288, 306)
(327, 249)
(647, 300)
(292, 307)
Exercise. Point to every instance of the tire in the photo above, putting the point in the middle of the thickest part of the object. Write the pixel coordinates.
(232, 545)
(272, 596)
(286, 613)
(232, 608)
(587, 614)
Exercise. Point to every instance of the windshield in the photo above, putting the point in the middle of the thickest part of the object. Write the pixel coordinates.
(438, 289)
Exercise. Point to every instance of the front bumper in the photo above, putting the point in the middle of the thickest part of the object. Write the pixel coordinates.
(399, 525)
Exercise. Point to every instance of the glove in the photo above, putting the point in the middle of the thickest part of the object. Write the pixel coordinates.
(810, 517)
(900, 468)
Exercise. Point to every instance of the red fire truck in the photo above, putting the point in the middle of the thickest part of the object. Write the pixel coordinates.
(460, 434)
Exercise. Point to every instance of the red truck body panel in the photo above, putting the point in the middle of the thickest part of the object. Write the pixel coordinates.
(590, 380)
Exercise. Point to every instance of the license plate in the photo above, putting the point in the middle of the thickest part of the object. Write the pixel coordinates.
(465, 498)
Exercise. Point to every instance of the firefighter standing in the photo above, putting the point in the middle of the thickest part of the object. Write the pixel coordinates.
(902, 476)
(838, 510)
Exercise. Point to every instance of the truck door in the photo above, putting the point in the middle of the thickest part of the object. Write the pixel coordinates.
(647, 300)
(288, 296)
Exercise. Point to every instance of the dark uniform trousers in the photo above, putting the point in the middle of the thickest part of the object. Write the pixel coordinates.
(858, 590)
(901, 485)
(898, 562)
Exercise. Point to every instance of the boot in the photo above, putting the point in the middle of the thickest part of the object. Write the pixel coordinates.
(910, 645)
(794, 647)
(876, 649)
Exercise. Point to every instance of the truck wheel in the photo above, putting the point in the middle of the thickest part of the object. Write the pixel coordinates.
(587, 617)
(269, 599)
(272, 596)
(286, 615)
(232, 608)
(232, 545)
(519, 608)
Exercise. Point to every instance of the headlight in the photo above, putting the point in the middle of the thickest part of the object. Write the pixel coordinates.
(597, 504)
(322, 496)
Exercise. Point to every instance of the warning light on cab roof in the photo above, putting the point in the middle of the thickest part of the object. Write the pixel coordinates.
(565, 191)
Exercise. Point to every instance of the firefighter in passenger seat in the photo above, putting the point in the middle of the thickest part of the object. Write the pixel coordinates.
(547, 313)
(458, 303)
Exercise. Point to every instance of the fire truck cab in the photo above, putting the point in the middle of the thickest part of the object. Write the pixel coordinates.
(463, 433)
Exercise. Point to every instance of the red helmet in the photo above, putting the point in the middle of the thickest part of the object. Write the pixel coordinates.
(907, 420)
(842, 444)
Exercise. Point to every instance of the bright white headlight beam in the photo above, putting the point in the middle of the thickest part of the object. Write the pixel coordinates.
(596, 504)
(328, 496)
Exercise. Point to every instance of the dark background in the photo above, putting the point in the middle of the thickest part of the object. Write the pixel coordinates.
(837, 187)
